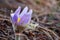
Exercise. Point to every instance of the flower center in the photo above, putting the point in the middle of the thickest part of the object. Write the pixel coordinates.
(18, 20)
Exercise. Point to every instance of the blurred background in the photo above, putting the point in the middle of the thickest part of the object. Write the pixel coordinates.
(46, 13)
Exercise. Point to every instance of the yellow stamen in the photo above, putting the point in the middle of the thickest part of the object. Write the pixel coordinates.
(18, 20)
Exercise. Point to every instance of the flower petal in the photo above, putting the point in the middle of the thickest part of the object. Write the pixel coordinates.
(24, 11)
(26, 19)
(12, 15)
(14, 19)
(17, 10)
(30, 12)
(29, 15)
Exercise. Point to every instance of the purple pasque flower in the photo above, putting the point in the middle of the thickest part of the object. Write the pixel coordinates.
(21, 18)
